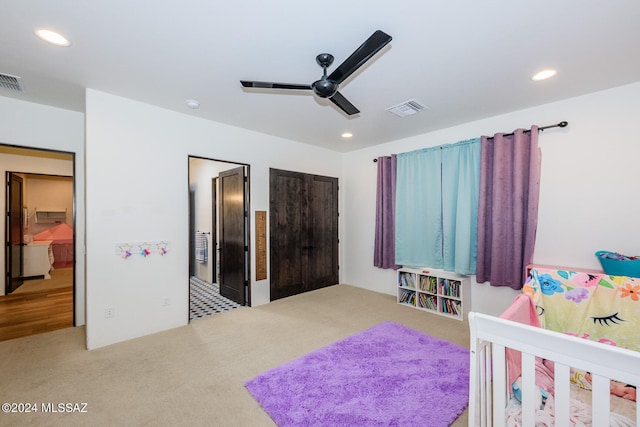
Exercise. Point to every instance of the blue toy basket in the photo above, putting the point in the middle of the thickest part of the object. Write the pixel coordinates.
(615, 264)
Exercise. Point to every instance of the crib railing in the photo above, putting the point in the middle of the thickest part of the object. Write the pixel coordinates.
(489, 388)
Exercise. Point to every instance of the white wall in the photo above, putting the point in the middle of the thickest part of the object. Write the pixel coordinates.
(137, 190)
(588, 197)
(30, 125)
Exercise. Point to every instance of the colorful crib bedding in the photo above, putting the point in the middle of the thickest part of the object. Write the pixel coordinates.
(597, 307)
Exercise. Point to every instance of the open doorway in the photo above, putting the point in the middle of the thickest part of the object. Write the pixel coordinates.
(219, 236)
(38, 290)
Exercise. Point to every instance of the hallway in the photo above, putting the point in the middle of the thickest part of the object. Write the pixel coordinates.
(38, 306)
(205, 300)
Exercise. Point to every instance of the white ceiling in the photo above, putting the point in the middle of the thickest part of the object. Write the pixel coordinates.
(464, 59)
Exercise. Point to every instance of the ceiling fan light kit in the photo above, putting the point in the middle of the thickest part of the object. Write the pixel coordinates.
(328, 85)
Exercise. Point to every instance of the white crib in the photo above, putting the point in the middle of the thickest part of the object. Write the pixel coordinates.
(489, 389)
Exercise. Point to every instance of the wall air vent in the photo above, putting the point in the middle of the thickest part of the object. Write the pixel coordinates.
(407, 108)
(10, 82)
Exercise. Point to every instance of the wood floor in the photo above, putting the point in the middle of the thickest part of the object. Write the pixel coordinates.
(36, 311)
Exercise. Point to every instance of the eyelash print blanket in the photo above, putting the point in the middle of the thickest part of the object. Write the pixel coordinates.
(597, 307)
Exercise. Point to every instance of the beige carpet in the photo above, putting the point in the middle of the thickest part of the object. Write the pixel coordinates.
(193, 375)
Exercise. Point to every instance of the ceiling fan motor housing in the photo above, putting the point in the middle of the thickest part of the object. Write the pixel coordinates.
(325, 88)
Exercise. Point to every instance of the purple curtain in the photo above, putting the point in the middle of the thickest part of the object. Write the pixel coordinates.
(384, 248)
(508, 207)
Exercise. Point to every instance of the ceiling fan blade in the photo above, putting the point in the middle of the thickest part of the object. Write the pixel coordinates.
(270, 85)
(370, 47)
(344, 104)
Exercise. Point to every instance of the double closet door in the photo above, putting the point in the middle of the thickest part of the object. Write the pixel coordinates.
(303, 232)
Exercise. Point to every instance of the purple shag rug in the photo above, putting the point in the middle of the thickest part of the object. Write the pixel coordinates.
(387, 375)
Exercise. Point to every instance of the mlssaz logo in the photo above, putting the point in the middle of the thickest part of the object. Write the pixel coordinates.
(64, 407)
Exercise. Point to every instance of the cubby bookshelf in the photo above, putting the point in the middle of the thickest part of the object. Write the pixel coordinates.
(435, 291)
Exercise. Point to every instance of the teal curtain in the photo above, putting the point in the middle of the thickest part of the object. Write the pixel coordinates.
(437, 207)
(418, 208)
(460, 188)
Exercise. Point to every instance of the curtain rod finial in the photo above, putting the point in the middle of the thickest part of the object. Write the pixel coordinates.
(375, 160)
(563, 124)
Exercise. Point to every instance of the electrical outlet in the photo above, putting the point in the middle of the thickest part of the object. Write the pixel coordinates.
(109, 312)
(166, 301)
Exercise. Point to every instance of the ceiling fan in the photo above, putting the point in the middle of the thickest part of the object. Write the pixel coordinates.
(327, 86)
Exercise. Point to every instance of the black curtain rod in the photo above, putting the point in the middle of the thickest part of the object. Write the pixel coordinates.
(557, 125)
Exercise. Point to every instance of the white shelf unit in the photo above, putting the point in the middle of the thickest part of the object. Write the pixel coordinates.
(435, 291)
(51, 217)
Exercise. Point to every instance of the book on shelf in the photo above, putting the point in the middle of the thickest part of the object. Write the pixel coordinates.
(449, 288)
(407, 297)
(407, 280)
(422, 300)
(432, 303)
(424, 283)
(450, 306)
(427, 301)
(433, 287)
(454, 287)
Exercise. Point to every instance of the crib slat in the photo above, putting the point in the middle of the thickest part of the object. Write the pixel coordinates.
(529, 395)
(479, 385)
(499, 385)
(600, 402)
(486, 384)
(561, 394)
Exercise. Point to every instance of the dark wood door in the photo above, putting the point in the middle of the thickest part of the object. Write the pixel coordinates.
(233, 235)
(303, 236)
(287, 242)
(15, 235)
(214, 230)
(322, 229)
(192, 233)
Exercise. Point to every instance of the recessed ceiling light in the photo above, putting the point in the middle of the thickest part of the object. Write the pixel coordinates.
(347, 135)
(193, 104)
(52, 37)
(544, 74)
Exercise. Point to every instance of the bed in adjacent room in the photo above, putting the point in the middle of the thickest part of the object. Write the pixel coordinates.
(61, 236)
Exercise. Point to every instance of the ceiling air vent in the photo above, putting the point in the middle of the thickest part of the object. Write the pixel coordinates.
(10, 82)
(407, 108)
